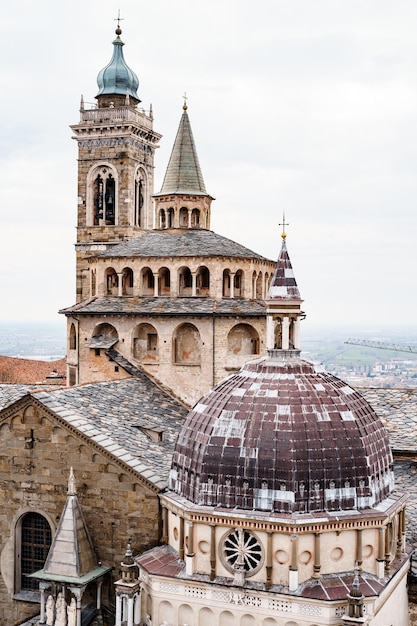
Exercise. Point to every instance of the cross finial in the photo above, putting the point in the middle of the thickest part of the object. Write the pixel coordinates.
(118, 19)
(283, 224)
(184, 106)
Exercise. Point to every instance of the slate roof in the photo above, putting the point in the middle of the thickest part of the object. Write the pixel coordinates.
(181, 243)
(116, 415)
(131, 305)
(398, 410)
(9, 394)
(183, 174)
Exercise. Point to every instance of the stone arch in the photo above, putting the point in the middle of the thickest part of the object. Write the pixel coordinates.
(291, 623)
(187, 345)
(127, 281)
(183, 215)
(269, 621)
(165, 613)
(206, 616)
(247, 620)
(111, 281)
(185, 281)
(239, 284)
(243, 339)
(164, 282)
(140, 200)
(147, 282)
(185, 615)
(72, 337)
(102, 183)
(195, 218)
(226, 618)
(145, 343)
(104, 333)
(266, 284)
(203, 281)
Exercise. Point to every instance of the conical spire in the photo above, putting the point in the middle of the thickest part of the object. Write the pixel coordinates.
(283, 284)
(117, 79)
(183, 175)
(71, 552)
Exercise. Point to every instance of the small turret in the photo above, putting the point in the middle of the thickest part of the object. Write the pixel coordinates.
(283, 304)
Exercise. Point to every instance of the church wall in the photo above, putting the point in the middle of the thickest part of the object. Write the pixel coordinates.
(188, 380)
(36, 454)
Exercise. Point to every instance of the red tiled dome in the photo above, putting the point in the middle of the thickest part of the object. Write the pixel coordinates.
(281, 436)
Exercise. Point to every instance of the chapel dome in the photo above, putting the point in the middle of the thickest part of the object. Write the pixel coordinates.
(281, 436)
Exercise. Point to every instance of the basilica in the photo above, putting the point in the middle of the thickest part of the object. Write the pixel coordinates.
(195, 470)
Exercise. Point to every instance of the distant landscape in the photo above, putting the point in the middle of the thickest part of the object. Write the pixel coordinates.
(358, 365)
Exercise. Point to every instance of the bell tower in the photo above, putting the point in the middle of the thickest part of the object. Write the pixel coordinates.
(116, 147)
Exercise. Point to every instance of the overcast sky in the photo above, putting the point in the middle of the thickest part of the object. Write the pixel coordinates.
(306, 106)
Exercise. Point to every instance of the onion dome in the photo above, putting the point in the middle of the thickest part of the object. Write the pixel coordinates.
(281, 436)
(117, 78)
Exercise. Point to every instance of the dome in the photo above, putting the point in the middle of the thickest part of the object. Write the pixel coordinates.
(117, 78)
(281, 436)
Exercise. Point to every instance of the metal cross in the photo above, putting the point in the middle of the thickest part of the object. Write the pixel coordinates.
(185, 98)
(118, 19)
(283, 223)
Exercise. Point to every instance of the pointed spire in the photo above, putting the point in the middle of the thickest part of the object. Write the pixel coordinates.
(71, 553)
(183, 174)
(283, 284)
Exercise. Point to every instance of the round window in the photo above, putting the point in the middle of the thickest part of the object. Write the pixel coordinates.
(241, 547)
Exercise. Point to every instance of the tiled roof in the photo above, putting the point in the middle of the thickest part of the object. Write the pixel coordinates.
(406, 481)
(117, 415)
(181, 243)
(183, 174)
(130, 305)
(28, 371)
(279, 435)
(283, 284)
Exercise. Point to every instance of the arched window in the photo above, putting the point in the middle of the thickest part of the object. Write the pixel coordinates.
(203, 281)
(238, 281)
(183, 217)
(187, 345)
(104, 194)
(145, 343)
(72, 338)
(226, 283)
(243, 339)
(112, 282)
(127, 281)
(164, 281)
(140, 195)
(185, 283)
(147, 282)
(195, 218)
(105, 331)
(34, 536)
(170, 218)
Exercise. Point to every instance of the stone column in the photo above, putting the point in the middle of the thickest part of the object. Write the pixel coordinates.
(119, 283)
(189, 218)
(232, 284)
(270, 339)
(285, 333)
(380, 562)
(317, 556)
(181, 539)
(118, 621)
(136, 612)
(293, 574)
(130, 601)
(189, 559)
(155, 284)
(268, 583)
(194, 283)
(99, 584)
(359, 557)
(296, 335)
(388, 534)
(212, 552)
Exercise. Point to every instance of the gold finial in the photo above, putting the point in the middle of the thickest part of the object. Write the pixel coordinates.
(283, 224)
(184, 106)
(118, 19)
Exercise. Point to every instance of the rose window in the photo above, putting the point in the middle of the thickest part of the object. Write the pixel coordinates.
(242, 548)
